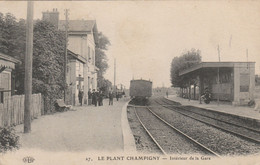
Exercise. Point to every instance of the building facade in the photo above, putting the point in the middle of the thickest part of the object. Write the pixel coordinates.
(82, 39)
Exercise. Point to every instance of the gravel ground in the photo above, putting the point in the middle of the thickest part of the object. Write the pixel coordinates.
(217, 115)
(171, 141)
(209, 117)
(226, 126)
(221, 142)
(144, 143)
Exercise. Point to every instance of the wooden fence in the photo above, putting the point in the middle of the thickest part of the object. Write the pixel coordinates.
(12, 110)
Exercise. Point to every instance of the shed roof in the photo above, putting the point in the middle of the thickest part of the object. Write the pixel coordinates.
(212, 65)
(8, 61)
(8, 58)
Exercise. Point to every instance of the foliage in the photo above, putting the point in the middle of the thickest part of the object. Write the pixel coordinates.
(101, 58)
(48, 62)
(101, 61)
(186, 60)
(105, 85)
(8, 139)
(12, 43)
(48, 52)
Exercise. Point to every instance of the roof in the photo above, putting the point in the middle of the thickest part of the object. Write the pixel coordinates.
(78, 25)
(77, 56)
(9, 58)
(212, 65)
(7, 62)
(142, 80)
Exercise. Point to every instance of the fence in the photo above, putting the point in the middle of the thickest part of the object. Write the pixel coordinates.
(12, 110)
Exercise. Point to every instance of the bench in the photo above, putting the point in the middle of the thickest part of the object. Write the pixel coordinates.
(61, 106)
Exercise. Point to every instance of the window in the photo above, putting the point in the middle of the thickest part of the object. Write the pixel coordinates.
(93, 59)
(244, 88)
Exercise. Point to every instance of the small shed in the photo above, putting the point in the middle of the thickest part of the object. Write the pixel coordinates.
(227, 81)
(7, 64)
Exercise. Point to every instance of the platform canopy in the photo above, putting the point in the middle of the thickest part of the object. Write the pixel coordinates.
(210, 66)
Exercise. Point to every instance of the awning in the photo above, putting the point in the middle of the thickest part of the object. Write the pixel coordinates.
(6, 64)
(7, 61)
(208, 65)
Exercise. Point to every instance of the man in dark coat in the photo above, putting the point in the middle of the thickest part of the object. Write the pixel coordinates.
(117, 96)
(89, 97)
(110, 96)
(100, 98)
(80, 95)
(94, 97)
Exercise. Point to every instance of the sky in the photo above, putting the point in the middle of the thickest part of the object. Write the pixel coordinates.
(146, 35)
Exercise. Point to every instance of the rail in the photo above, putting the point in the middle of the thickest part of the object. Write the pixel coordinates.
(174, 128)
(214, 125)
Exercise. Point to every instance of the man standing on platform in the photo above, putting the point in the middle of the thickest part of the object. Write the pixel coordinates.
(117, 95)
(110, 96)
(94, 97)
(80, 95)
(100, 98)
(89, 97)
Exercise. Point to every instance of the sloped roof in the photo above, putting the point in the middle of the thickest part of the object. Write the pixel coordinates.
(77, 56)
(8, 61)
(78, 25)
(211, 65)
(81, 26)
(9, 58)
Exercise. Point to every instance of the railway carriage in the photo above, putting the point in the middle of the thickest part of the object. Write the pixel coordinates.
(140, 90)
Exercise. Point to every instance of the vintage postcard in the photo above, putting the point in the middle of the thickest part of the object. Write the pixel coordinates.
(129, 82)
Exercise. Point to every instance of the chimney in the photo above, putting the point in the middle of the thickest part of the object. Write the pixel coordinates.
(51, 16)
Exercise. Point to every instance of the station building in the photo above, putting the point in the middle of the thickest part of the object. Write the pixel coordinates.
(227, 81)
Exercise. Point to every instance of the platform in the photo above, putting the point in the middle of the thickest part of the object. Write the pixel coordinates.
(224, 107)
(82, 129)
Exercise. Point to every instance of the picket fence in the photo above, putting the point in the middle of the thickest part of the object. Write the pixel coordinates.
(12, 110)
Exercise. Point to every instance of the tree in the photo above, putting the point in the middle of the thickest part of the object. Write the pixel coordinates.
(186, 60)
(48, 55)
(101, 60)
(48, 62)
(12, 43)
(12, 35)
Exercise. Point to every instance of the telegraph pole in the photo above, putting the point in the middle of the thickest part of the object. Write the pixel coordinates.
(28, 68)
(66, 54)
(230, 40)
(115, 73)
(247, 57)
(218, 72)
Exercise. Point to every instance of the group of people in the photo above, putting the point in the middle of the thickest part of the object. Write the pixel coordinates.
(96, 97)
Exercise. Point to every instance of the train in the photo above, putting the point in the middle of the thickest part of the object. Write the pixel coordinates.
(140, 90)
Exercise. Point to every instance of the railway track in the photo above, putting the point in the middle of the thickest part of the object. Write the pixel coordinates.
(168, 138)
(244, 132)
